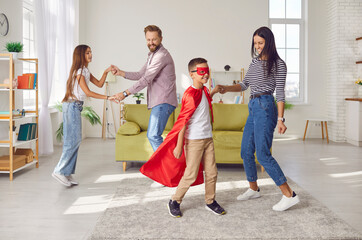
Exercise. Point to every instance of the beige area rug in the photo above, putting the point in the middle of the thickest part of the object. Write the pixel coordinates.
(138, 211)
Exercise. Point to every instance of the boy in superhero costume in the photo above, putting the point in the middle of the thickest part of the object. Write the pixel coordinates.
(192, 132)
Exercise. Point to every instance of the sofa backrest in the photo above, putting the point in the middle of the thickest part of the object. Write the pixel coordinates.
(229, 117)
(140, 114)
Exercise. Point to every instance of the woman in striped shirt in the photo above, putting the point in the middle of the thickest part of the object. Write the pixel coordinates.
(266, 73)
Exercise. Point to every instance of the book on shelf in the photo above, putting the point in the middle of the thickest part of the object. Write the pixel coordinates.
(35, 79)
(27, 131)
(27, 81)
(23, 82)
(213, 84)
(238, 99)
(31, 79)
(24, 132)
(33, 130)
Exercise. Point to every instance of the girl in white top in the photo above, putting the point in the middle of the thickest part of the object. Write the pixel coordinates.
(76, 93)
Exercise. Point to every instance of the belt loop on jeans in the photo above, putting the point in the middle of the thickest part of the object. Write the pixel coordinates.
(256, 95)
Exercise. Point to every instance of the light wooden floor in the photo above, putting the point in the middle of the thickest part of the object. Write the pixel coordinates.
(35, 206)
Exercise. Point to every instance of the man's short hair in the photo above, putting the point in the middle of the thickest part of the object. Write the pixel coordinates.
(153, 28)
(195, 61)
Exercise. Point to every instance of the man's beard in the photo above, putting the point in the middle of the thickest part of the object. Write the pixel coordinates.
(153, 49)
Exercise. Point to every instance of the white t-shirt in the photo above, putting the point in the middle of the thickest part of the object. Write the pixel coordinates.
(199, 125)
(77, 90)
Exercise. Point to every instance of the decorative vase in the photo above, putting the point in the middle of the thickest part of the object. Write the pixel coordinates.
(15, 55)
(138, 101)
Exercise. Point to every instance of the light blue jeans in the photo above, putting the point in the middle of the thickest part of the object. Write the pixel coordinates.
(258, 136)
(72, 137)
(157, 123)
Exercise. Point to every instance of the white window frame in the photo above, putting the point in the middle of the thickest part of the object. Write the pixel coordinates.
(302, 51)
(29, 95)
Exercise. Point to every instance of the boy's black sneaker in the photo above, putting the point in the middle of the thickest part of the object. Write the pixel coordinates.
(174, 209)
(215, 208)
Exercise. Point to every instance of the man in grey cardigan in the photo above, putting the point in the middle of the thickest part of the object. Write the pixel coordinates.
(158, 75)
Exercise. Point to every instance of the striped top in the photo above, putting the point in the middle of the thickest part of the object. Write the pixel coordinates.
(259, 82)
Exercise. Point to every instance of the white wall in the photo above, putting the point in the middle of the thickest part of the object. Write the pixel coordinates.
(14, 12)
(220, 31)
(344, 26)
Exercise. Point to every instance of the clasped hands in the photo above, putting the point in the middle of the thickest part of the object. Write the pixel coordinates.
(218, 89)
(116, 72)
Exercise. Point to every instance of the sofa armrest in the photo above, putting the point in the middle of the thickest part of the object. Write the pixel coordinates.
(129, 128)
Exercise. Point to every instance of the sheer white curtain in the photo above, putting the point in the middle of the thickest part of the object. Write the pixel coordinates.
(54, 27)
(65, 44)
(46, 12)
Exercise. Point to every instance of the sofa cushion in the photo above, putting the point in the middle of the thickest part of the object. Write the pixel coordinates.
(140, 114)
(137, 113)
(229, 117)
(129, 128)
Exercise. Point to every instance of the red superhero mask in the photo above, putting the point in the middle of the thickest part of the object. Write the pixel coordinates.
(202, 71)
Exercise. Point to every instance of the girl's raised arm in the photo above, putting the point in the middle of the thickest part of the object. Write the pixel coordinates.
(100, 83)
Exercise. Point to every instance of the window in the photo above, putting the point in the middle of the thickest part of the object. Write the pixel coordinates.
(286, 20)
(29, 49)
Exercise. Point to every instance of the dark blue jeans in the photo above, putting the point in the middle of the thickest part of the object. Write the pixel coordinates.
(258, 137)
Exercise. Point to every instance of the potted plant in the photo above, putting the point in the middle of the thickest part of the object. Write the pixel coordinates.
(139, 96)
(87, 112)
(14, 48)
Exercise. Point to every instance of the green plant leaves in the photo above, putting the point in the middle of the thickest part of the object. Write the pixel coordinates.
(91, 115)
(59, 133)
(14, 46)
(87, 112)
(139, 96)
(59, 106)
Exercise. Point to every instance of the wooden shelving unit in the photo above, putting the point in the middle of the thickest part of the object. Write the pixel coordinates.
(29, 115)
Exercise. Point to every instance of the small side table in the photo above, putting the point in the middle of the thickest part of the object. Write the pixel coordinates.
(322, 121)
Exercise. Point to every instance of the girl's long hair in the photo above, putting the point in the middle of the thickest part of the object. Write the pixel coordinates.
(79, 61)
(269, 50)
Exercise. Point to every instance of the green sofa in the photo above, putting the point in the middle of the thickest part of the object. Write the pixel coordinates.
(132, 144)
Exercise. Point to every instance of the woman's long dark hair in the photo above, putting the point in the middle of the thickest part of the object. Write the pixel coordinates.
(269, 51)
(79, 61)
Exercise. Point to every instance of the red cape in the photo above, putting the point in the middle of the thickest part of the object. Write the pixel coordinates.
(163, 167)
